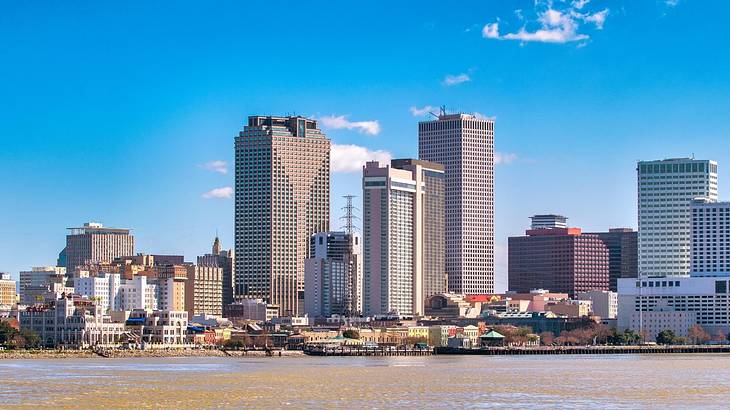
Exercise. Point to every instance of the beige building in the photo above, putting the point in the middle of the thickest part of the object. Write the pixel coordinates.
(171, 286)
(282, 199)
(7, 291)
(464, 145)
(203, 291)
(94, 244)
(402, 236)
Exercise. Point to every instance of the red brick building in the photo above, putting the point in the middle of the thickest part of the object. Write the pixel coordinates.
(558, 259)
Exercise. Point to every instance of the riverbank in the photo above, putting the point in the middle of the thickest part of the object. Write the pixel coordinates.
(126, 353)
(568, 350)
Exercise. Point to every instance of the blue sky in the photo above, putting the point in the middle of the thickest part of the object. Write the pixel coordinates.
(110, 111)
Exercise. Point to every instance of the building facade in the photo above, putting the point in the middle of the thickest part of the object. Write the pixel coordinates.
(623, 254)
(223, 259)
(548, 221)
(397, 238)
(666, 189)
(71, 322)
(333, 275)
(282, 199)
(170, 280)
(204, 291)
(710, 248)
(111, 292)
(605, 303)
(561, 260)
(93, 244)
(464, 145)
(682, 300)
(7, 292)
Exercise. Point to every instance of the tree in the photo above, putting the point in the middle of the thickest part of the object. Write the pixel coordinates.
(547, 338)
(698, 335)
(7, 333)
(351, 334)
(666, 337)
(627, 337)
(719, 336)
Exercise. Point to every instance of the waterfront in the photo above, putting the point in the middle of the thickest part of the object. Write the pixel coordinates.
(627, 381)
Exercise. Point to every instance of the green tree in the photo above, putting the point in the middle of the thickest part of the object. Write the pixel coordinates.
(7, 333)
(666, 337)
(351, 334)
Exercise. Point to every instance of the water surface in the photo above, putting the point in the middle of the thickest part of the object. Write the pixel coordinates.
(613, 382)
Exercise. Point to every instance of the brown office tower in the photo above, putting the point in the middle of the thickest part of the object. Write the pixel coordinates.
(93, 244)
(464, 145)
(561, 260)
(282, 199)
(623, 254)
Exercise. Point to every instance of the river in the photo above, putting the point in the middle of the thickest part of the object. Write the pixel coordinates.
(580, 382)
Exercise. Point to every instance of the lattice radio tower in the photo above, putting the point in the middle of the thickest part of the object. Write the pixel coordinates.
(350, 216)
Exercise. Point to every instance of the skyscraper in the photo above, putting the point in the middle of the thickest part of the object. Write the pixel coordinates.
(93, 244)
(562, 260)
(402, 236)
(623, 256)
(282, 199)
(333, 275)
(464, 145)
(666, 188)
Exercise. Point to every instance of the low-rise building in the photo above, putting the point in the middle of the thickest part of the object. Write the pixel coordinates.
(605, 303)
(570, 308)
(159, 327)
(72, 321)
(702, 300)
(450, 306)
(251, 309)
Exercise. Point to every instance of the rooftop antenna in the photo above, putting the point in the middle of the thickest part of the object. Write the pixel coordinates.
(442, 112)
(350, 216)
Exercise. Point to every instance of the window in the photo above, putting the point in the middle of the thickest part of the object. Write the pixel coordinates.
(720, 286)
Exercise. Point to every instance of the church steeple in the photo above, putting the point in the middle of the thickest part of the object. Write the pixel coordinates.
(216, 245)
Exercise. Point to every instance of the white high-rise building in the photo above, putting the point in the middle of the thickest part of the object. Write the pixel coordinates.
(464, 145)
(710, 238)
(113, 293)
(333, 275)
(666, 189)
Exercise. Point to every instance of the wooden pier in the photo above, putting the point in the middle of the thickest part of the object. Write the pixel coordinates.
(365, 351)
(558, 350)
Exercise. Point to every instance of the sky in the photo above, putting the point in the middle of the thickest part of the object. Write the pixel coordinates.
(125, 113)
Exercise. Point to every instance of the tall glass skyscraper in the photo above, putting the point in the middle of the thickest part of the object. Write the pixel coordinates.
(464, 145)
(666, 189)
(282, 199)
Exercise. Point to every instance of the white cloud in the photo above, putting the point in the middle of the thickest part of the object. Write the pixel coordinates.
(671, 3)
(504, 159)
(597, 18)
(579, 4)
(341, 122)
(346, 158)
(420, 112)
(456, 79)
(491, 30)
(224, 192)
(484, 117)
(554, 25)
(218, 166)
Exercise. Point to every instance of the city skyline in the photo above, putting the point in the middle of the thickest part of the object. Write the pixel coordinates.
(149, 148)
